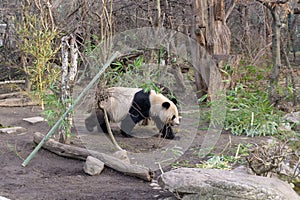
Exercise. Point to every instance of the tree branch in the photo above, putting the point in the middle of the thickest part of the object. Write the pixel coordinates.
(82, 153)
(230, 9)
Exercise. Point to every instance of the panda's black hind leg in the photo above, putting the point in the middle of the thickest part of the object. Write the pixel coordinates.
(127, 125)
(101, 121)
(90, 122)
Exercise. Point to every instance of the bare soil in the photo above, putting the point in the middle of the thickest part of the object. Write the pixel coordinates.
(49, 176)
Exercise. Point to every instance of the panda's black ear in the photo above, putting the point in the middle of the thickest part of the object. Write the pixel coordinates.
(174, 101)
(166, 105)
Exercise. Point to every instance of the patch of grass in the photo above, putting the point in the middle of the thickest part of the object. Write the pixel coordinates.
(183, 163)
(218, 161)
(226, 161)
(250, 113)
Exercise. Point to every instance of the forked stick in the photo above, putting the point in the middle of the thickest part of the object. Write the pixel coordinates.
(112, 138)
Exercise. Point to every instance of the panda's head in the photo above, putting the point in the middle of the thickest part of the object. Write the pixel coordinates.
(164, 109)
(169, 113)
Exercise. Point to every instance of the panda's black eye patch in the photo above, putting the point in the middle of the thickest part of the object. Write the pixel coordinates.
(173, 117)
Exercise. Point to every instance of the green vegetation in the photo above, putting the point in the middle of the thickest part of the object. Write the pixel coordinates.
(135, 74)
(220, 161)
(249, 112)
(54, 108)
(37, 42)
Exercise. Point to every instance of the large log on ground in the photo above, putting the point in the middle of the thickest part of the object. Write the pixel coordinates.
(17, 102)
(82, 153)
(12, 95)
(16, 99)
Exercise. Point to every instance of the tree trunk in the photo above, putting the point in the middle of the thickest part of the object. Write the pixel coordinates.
(275, 9)
(210, 30)
(276, 58)
(69, 72)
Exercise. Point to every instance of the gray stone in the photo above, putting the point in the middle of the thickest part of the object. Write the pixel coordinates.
(214, 184)
(284, 127)
(93, 166)
(11, 130)
(293, 117)
(154, 185)
(34, 120)
(122, 155)
(3, 198)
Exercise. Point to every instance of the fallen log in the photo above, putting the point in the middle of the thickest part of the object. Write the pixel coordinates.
(82, 153)
(12, 95)
(17, 102)
(12, 82)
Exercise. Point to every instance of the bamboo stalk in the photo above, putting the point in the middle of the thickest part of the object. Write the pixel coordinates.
(56, 125)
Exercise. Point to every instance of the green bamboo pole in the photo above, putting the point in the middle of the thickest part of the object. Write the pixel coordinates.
(51, 131)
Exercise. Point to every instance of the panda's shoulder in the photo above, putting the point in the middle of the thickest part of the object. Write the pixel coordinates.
(157, 97)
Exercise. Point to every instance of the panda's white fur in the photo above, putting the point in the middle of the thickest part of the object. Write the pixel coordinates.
(120, 100)
(131, 105)
(156, 101)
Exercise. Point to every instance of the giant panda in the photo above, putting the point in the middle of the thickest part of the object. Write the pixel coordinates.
(132, 105)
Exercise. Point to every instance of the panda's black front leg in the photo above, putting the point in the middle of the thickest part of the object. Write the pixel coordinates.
(165, 129)
(167, 132)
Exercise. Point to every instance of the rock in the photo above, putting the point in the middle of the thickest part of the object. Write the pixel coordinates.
(34, 120)
(93, 166)
(122, 155)
(293, 117)
(3, 198)
(154, 185)
(284, 127)
(11, 130)
(205, 184)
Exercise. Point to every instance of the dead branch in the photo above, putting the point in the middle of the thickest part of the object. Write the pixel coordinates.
(111, 136)
(17, 102)
(82, 153)
(12, 95)
(12, 82)
(265, 159)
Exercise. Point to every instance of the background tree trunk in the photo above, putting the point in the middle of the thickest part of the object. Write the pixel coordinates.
(69, 72)
(276, 58)
(276, 10)
(210, 30)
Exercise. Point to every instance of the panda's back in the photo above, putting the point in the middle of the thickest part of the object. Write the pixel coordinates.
(119, 102)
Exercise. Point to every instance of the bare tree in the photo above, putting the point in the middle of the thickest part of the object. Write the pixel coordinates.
(276, 8)
(211, 31)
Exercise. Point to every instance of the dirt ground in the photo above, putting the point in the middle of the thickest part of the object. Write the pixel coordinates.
(49, 176)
